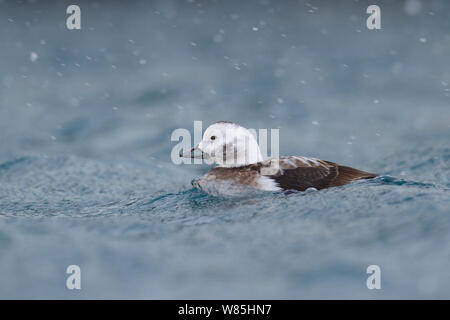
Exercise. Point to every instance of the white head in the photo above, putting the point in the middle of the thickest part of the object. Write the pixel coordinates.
(229, 145)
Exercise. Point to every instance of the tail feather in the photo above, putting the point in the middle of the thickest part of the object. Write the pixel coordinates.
(348, 174)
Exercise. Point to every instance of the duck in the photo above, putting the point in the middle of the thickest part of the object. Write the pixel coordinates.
(240, 166)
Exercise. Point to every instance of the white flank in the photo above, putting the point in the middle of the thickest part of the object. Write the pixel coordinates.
(268, 184)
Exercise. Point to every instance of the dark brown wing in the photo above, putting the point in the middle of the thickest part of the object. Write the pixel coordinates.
(303, 176)
(300, 173)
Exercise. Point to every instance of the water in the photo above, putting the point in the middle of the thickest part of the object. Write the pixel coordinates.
(85, 170)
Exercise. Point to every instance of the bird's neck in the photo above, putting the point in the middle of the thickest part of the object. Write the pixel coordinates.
(246, 157)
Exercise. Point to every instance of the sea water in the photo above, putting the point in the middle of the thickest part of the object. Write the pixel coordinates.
(86, 176)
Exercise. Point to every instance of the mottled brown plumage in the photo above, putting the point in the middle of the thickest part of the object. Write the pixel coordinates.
(290, 173)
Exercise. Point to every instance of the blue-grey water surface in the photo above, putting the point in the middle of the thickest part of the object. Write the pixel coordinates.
(86, 177)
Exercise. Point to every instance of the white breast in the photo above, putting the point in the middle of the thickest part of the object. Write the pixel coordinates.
(225, 187)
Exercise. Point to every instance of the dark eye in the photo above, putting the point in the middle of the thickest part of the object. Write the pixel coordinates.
(213, 137)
